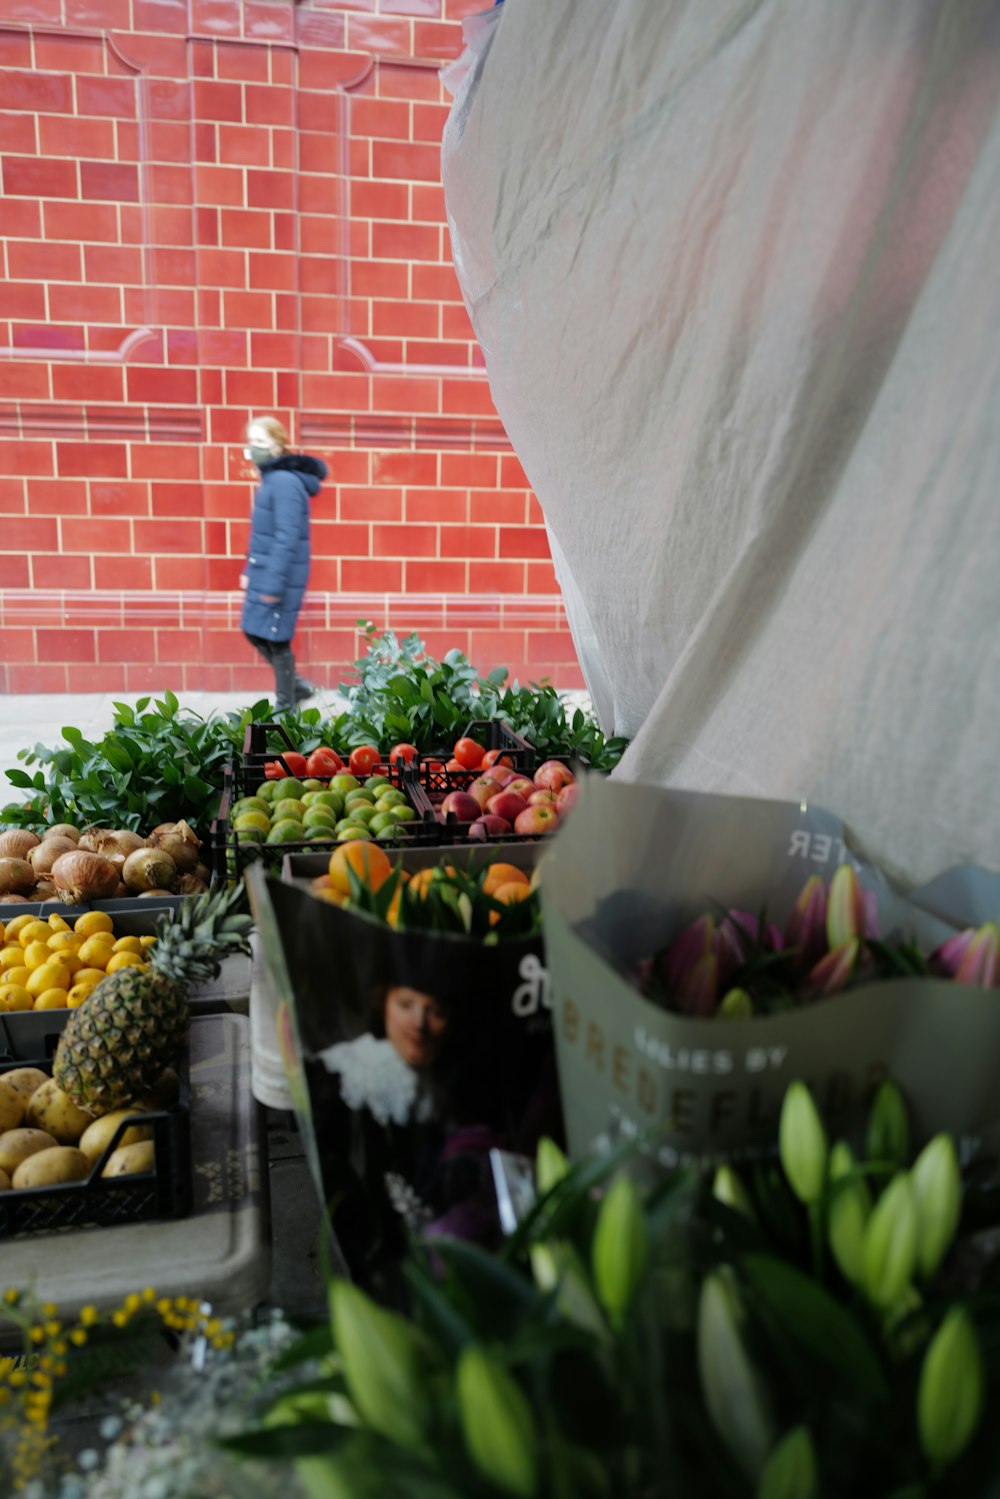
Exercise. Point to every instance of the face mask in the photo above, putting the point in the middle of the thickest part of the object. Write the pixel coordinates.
(260, 456)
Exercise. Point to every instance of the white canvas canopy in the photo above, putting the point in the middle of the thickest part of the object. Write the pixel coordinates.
(734, 267)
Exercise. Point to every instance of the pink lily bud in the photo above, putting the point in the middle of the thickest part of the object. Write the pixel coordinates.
(806, 927)
(845, 908)
(688, 947)
(946, 958)
(981, 963)
(831, 973)
(698, 991)
(870, 899)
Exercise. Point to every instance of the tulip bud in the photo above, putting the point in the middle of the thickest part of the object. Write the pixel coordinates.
(734, 1393)
(696, 941)
(383, 1364)
(557, 1267)
(806, 928)
(696, 993)
(850, 1205)
(832, 972)
(802, 1144)
(889, 1127)
(736, 1005)
(946, 958)
(497, 1423)
(728, 1188)
(889, 1251)
(950, 1395)
(791, 1471)
(620, 1250)
(980, 963)
(550, 1166)
(845, 908)
(937, 1191)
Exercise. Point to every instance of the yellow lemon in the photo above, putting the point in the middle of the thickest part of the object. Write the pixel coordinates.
(93, 921)
(124, 960)
(14, 927)
(128, 944)
(37, 953)
(59, 923)
(70, 960)
(52, 999)
(89, 976)
(14, 997)
(66, 941)
(78, 994)
(52, 975)
(147, 942)
(96, 951)
(11, 957)
(17, 975)
(34, 931)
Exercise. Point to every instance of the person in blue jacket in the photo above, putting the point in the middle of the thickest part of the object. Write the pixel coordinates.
(277, 566)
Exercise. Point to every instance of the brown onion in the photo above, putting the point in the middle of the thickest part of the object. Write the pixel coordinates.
(121, 891)
(183, 851)
(146, 894)
(45, 890)
(162, 827)
(149, 869)
(114, 842)
(202, 872)
(44, 854)
(16, 876)
(11, 900)
(189, 884)
(82, 877)
(17, 843)
(63, 830)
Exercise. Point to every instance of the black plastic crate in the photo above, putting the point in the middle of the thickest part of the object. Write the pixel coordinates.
(492, 734)
(164, 1192)
(257, 755)
(231, 853)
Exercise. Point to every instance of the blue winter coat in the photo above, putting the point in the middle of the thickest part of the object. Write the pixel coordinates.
(277, 562)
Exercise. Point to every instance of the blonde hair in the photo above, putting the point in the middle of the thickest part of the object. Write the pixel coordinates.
(273, 428)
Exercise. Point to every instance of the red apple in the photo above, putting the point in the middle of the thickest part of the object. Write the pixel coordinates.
(483, 788)
(463, 806)
(521, 785)
(506, 804)
(537, 819)
(501, 774)
(554, 775)
(488, 827)
(537, 797)
(567, 798)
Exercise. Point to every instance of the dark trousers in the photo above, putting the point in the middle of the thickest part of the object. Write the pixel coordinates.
(278, 655)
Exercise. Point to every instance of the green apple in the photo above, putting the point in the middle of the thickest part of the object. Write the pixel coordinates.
(392, 834)
(312, 784)
(331, 799)
(266, 791)
(289, 806)
(319, 816)
(350, 830)
(287, 830)
(393, 797)
(345, 783)
(251, 804)
(404, 814)
(249, 835)
(381, 820)
(374, 782)
(289, 787)
(253, 819)
(360, 812)
(321, 833)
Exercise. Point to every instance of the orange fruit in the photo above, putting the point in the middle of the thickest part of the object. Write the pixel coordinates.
(509, 895)
(420, 883)
(370, 863)
(503, 874)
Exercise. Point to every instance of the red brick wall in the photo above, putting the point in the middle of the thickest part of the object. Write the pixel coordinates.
(210, 209)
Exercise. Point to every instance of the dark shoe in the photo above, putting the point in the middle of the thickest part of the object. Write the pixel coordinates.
(304, 689)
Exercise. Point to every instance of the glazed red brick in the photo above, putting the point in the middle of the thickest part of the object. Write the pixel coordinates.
(297, 265)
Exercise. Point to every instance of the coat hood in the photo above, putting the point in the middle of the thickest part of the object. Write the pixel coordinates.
(312, 471)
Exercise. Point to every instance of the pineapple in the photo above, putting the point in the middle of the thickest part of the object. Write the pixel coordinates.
(132, 1025)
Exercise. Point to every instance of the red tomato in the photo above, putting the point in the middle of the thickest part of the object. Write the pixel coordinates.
(363, 760)
(296, 763)
(323, 763)
(404, 752)
(455, 765)
(497, 757)
(273, 771)
(469, 754)
(434, 765)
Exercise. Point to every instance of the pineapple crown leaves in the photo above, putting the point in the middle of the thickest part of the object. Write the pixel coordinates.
(202, 932)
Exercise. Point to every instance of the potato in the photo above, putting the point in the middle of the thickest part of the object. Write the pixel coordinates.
(130, 1160)
(53, 1110)
(25, 1080)
(12, 1106)
(163, 1094)
(17, 1144)
(97, 1136)
(49, 1168)
(4, 1182)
